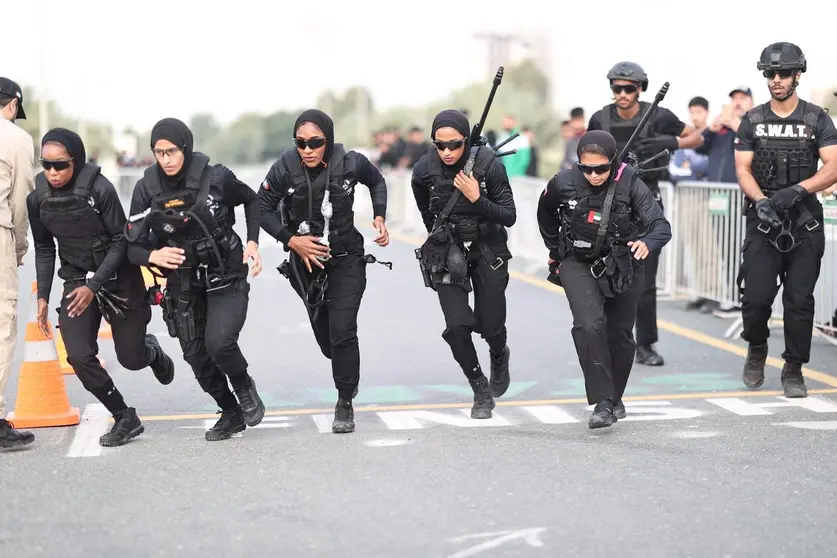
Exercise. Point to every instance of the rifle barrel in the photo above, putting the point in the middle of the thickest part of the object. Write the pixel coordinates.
(645, 118)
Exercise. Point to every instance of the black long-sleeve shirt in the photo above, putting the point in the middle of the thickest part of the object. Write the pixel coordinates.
(497, 206)
(278, 188)
(105, 201)
(560, 192)
(226, 193)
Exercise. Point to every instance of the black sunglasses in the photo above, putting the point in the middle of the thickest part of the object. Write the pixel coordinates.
(625, 88)
(598, 169)
(451, 145)
(313, 143)
(784, 74)
(57, 165)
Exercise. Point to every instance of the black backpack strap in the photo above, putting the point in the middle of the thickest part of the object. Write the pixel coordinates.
(606, 207)
(606, 120)
(85, 180)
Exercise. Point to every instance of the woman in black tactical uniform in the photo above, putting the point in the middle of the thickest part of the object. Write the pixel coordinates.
(589, 217)
(480, 205)
(182, 217)
(75, 205)
(313, 186)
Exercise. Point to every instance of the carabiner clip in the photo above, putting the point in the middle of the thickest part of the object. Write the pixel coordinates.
(787, 245)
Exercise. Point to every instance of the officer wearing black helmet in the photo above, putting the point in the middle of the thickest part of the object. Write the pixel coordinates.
(664, 131)
(776, 155)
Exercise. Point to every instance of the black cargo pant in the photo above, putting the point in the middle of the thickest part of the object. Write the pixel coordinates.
(762, 267)
(488, 317)
(335, 321)
(80, 333)
(602, 329)
(646, 316)
(214, 354)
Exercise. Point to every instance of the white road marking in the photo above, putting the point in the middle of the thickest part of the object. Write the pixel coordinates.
(529, 536)
(550, 414)
(94, 423)
(811, 425)
(747, 409)
(409, 420)
(323, 423)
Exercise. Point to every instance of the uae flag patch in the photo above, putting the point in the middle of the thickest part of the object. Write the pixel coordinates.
(594, 217)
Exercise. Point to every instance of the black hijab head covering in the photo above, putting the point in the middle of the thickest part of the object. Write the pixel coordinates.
(74, 146)
(179, 134)
(607, 143)
(452, 119)
(322, 121)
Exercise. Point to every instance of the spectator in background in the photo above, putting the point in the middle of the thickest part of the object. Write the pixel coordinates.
(417, 147)
(576, 127)
(690, 164)
(516, 164)
(532, 169)
(718, 138)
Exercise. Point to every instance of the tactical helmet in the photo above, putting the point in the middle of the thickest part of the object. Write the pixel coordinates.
(630, 71)
(782, 56)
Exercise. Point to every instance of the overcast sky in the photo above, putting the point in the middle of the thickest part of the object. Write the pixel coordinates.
(132, 63)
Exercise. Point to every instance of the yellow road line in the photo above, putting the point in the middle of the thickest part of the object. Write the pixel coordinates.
(670, 327)
(431, 406)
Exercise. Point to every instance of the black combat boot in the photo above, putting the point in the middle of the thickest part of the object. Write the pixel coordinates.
(500, 373)
(126, 426)
(231, 422)
(645, 354)
(619, 410)
(11, 438)
(162, 365)
(483, 401)
(344, 417)
(603, 415)
(753, 376)
(251, 404)
(792, 380)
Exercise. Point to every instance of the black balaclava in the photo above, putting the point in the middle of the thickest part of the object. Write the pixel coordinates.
(322, 121)
(452, 119)
(74, 146)
(179, 134)
(605, 141)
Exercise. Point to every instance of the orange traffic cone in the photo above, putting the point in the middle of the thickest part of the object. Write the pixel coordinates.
(105, 332)
(66, 367)
(41, 394)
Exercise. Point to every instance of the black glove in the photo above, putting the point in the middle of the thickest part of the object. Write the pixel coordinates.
(435, 255)
(767, 213)
(554, 276)
(623, 272)
(649, 147)
(786, 198)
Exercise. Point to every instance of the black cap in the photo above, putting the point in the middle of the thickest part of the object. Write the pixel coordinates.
(11, 89)
(742, 89)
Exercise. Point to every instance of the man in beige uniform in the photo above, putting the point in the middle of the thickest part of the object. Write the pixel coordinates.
(16, 181)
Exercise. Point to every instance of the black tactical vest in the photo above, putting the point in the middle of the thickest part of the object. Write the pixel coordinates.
(308, 209)
(82, 238)
(442, 188)
(785, 151)
(189, 222)
(621, 130)
(587, 213)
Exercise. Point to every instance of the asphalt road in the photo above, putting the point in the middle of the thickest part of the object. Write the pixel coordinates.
(700, 468)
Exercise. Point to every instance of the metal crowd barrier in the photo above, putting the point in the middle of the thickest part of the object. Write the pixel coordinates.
(702, 259)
